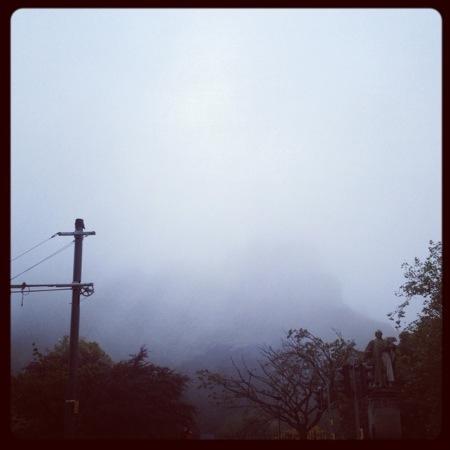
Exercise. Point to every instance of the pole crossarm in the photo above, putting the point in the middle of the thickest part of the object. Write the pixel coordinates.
(75, 233)
(85, 289)
(57, 285)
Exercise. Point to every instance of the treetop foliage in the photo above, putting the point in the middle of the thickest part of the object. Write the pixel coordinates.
(128, 399)
(419, 355)
(423, 279)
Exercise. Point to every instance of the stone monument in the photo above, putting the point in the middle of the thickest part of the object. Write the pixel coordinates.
(382, 399)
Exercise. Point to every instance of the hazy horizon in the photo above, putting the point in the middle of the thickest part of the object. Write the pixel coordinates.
(238, 166)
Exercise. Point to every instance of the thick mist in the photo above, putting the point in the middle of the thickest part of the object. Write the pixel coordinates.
(246, 172)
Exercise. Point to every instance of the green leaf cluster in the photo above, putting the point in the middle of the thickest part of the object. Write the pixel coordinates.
(129, 399)
(419, 354)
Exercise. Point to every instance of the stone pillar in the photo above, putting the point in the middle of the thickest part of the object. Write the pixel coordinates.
(384, 414)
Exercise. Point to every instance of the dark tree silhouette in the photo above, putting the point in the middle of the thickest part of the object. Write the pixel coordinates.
(128, 399)
(290, 384)
(419, 353)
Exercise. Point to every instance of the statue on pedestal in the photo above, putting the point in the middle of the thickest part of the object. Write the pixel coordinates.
(383, 410)
(381, 353)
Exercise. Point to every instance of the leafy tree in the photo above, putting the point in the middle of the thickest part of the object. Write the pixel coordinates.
(289, 383)
(128, 399)
(424, 280)
(142, 400)
(419, 360)
(38, 390)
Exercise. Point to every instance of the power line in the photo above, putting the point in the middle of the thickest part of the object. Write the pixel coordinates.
(32, 248)
(45, 259)
(25, 293)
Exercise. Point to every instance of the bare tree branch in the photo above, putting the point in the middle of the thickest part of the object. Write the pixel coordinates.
(288, 383)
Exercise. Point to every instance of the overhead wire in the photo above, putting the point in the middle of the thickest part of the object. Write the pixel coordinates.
(32, 248)
(24, 293)
(41, 290)
(84, 291)
(45, 259)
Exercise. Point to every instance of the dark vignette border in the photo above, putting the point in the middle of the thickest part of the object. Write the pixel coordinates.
(8, 7)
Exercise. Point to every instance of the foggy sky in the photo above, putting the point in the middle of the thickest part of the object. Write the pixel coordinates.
(212, 150)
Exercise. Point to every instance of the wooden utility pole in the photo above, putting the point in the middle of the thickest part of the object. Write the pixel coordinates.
(71, 401)
(330, 416)
(85, 289)
(355, 401)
